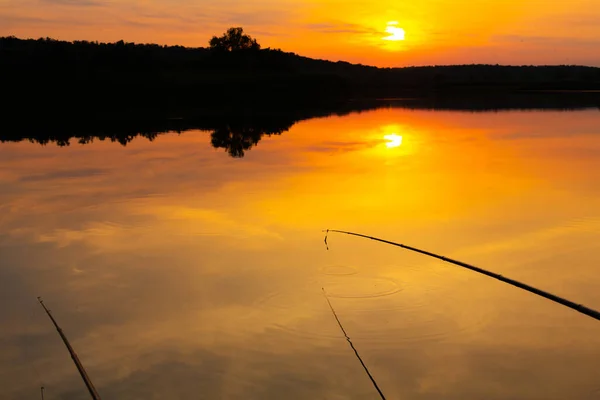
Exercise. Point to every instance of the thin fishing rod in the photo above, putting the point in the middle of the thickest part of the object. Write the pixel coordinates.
(567, 303)
(353, 348)
(84, 375)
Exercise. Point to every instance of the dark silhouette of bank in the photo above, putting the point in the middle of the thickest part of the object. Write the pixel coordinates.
(57, 91)
(57, 77)
(235, 132)
(239, 130)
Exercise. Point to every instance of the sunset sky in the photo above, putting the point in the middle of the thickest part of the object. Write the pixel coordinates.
(435, 31)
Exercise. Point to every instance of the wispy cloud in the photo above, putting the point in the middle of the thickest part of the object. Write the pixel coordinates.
(339, 146)
(64, 174)
(580, 20)
(546, 40)
(15, 21)
(341, 27)
(77, 3)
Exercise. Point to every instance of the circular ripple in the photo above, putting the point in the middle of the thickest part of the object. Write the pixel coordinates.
(303, 295)
(361, 288)
(337, 270)
(370, 306)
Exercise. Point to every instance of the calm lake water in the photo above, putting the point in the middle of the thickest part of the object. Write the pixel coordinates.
(179, 272)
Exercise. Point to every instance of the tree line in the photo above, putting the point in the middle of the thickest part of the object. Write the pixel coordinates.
(234, 70)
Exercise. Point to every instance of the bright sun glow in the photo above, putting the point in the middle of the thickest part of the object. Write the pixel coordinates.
(393, 140)
(396, 33)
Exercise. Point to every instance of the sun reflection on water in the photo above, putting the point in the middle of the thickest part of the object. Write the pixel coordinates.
(393, 140)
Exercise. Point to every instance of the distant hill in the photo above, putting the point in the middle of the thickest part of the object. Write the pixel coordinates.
(51, 75)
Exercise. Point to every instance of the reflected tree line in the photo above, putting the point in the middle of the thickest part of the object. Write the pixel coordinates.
(235, 137)
(238, 131)
(235, 133)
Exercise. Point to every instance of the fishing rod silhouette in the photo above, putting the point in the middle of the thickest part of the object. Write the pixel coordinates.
(567, 303)
(354, 348)
(84, 376)
(549, 296)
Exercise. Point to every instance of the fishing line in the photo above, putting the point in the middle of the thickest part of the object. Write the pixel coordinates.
(352, 346)
(567, 303)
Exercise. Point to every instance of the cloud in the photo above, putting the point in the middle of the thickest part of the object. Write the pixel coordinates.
(547, 49)
(544, 135)
(275, 18)
(64, 174)
(587, 19)
(135, 18)
(313, 371)
(15, 21)
(339, 146)
(260, 33)
(341, 27)
(76, 3)
(546, 40)
(177, 377)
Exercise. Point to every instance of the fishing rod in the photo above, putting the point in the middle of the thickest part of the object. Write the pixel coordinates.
(567, 303)
(84, 375)
(353, 348)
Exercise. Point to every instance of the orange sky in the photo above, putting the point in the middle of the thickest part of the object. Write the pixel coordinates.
(437, 31)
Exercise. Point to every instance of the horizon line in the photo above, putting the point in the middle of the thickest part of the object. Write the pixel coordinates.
(96, 42)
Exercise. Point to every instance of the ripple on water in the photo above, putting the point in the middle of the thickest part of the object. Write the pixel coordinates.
(336, 270)
(339, 281)
(421, 320)
(421, 309)
(305, 300)
(356, 287)
(292, 312)
(379, 310)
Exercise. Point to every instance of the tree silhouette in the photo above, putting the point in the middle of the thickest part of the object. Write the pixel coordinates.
(235, 141)
(234, 39)
(238, 137)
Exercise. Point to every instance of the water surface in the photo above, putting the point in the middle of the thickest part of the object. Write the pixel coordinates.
(178, 271)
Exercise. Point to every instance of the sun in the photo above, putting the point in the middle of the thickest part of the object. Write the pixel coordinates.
(393, 140)
(396, 33)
